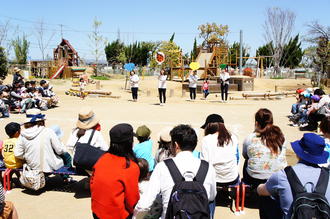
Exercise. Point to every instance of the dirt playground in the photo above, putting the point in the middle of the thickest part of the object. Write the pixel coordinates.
(238, 116)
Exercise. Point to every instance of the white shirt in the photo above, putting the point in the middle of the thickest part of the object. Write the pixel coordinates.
(223, 159)
(325, 100)
(97, 140)
(193, 81)
(224, 76)
(162, 182)
(28, 148)
(162, 81)
(134, 80)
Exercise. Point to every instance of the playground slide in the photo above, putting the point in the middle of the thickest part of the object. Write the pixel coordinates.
(57, 73)
(201, 59)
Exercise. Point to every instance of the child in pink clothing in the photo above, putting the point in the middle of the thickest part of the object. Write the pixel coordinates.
(206, 87)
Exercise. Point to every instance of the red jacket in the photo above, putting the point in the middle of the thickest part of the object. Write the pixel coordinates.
(114, 188)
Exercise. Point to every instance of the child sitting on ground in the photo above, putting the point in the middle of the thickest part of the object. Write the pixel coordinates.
(144, 148)
(13, 130)
(3, 106)
(157, 207)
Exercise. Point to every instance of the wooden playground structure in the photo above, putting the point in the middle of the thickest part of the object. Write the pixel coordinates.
(209, 63)
(65, 63)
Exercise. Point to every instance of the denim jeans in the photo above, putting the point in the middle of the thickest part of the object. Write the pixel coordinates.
(212, 209)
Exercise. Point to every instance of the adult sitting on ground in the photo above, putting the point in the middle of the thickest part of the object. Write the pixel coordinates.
(319, 111)
(86, 126)
(17, 77)
(310, 152)
(47, 94)
(264, 152)
(34, 136)
(114, 184)
(184, 141)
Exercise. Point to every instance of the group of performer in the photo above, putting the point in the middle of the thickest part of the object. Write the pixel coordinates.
(193, 82)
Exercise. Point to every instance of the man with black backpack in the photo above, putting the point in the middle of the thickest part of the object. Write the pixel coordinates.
(187, 185)
(303, 189)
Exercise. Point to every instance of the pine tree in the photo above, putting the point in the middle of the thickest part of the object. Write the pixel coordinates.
(292, 53)
(193, 54)
(172, 38)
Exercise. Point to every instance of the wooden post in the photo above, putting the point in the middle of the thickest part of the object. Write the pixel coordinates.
(98, 85)
(171, 92)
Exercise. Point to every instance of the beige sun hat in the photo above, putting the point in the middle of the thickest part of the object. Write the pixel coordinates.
(87, 118)
(34, 115)
(164, 134)
(16, 69)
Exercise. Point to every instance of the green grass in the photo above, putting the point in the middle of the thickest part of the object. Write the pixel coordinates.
(277, 77)
(103, 77)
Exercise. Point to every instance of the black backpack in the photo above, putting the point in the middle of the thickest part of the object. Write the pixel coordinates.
(308, 205)
(188, 198)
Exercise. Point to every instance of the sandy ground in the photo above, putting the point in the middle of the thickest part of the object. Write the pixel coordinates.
(238, 116)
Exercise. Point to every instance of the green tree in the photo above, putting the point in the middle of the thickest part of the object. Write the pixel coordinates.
(234, 50)
(138, 52)
(172, 54)
(292, 53)
(266, 50)
(194, 52)
(172, 37)
(21, 48)
(3, 63)
(213, 34)
(115, 52)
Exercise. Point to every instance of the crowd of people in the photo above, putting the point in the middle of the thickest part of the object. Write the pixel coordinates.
(311, 107)
(128, 180)
(23, 94)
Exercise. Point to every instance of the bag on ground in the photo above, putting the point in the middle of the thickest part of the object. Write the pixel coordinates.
(32, 179)
(188, 198)
(308, 205)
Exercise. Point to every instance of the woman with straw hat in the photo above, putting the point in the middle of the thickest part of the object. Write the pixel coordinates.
(17, 78)
(87, 122)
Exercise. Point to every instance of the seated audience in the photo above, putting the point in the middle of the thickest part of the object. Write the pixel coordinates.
(164, 145)
(114, 183)
(310, 152)
(144, 148)
(325, 129)
(264, 151)
(7, 208)
(13, 130)
(87, 125)
(34, 136)
(184, 141)
(220, 148)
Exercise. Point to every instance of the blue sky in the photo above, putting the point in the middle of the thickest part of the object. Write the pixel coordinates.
(153, 20)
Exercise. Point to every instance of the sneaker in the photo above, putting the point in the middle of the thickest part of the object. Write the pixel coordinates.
(303, 125)
(295, 125)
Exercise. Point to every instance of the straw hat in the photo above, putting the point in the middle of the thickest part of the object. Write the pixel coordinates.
(164, 134)
(34, 115)
(87, 118)
(16, 69)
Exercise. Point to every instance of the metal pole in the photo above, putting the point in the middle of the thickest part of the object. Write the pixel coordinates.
(240, 51)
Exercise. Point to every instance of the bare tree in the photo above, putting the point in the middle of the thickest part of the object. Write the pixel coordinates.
(43, 38)
(97, 42)
(319, 36)
(5, 31)
(278, 27)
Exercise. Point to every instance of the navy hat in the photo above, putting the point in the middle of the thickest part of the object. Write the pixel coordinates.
(121, 133)
(311, 148)
(211, 119)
